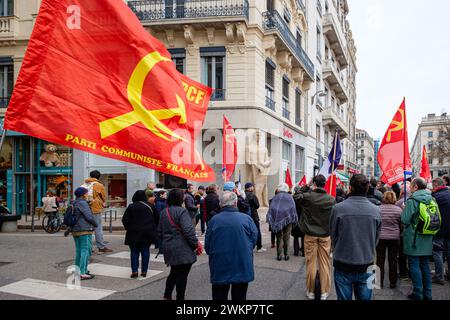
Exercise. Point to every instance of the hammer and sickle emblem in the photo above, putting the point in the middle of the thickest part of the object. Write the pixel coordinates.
(399, 125)
(151, 119)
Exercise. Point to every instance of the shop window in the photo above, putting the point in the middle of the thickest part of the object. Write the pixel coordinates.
(5, 168)
(116, 186)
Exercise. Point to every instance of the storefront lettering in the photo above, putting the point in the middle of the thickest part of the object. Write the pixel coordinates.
(287, 134)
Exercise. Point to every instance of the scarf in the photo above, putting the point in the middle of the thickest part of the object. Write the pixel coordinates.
(282, 212)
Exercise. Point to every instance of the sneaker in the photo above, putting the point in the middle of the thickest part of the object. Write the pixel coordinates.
(86, 277)
(310, 296)
(324, 296)
(105, 250)
(261, 250)
(438, 281)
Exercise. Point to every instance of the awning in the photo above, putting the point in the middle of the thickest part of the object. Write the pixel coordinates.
(343, 177)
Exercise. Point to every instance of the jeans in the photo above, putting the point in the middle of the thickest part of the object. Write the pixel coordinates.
(142, 250)
(99, 232)
(177, 278)
(283, 238)
(259, 239)
(83, 251)
(202, 222)
(421, 277)
(238, 292)
(347, 283)
(392, 247)
(438, 257)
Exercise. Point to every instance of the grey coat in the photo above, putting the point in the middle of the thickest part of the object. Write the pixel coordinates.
(179, 239)
(86, 220)
(355, 231)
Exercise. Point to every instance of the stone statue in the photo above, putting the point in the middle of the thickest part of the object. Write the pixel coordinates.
(257, 157)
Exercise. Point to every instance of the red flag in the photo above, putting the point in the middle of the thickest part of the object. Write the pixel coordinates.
(229, 150)
(425, 169)
(94, 79)
(303, 182)
(393, 156)
(331, 185)
(339, 182)
(288, 180)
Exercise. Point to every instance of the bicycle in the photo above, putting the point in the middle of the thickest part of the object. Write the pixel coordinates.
(52, 223)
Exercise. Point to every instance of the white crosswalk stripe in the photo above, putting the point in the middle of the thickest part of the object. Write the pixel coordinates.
(107, 270)
(53, 291)
(126, 256)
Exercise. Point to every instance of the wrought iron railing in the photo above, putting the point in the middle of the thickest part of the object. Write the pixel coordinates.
(270, 104)
(149, 10)
(218, 95)
(273, 21)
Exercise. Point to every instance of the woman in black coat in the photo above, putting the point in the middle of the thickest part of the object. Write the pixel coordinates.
(140, 221)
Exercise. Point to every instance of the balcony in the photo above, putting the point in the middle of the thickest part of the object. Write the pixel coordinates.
(332, 120)
(180, 11)
(333, 77)
(273, 22)
(8, 27)
(332, 30)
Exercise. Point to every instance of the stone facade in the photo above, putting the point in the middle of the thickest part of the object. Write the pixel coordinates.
(366, 153)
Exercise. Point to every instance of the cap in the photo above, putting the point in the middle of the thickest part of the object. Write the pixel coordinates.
(79, 192)
(229, 186)
(249, 185)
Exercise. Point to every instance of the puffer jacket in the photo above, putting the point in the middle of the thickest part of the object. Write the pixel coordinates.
(84, 216)
(178, 234)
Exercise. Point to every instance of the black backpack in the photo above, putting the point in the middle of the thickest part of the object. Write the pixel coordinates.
(70, 218)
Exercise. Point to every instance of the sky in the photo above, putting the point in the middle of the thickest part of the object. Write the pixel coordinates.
(403, 51)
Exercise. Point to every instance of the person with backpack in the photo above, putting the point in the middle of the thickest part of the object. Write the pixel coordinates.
(97, 198)
(442, 239)
(180, 244)
(418, 239)
(140, 221)
(82, 223)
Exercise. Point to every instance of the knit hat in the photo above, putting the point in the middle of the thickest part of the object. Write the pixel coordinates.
(229, 186)
(79, 192)
(249, 185)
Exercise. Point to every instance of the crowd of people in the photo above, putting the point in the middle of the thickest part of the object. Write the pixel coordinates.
(353, 232)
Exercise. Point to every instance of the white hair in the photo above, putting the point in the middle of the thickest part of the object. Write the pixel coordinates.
(283, 187)
(228, 199)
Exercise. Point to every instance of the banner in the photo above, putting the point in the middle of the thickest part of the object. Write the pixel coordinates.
(94, 79)
(229, 150)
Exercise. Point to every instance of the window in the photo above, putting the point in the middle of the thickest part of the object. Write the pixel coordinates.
(270, 84)
(430, 134)
(318, 133)
(298, 107)
(319, 43)
(6, 8)
(6, 80)
(179, 58)
(286, 15)
(287, 152)
(319, 7)
(430, 146)
(299, 38)
(441, 161)
(286, 82)
(299, 163)
(213, 70)
(270, 5)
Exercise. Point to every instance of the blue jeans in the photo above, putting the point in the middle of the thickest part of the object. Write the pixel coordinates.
(347, 283)
(421, 277)
(99, 232)
(438, 258)
(83, 245)
(142, 250)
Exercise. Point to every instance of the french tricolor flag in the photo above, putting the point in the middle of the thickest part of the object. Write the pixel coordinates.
(331, 164)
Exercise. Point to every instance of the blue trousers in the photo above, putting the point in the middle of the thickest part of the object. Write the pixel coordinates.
(421, 277)
(83, 246)
(143, 250)
(347, 283)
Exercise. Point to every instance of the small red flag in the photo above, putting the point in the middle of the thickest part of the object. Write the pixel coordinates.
(303, 182)
(288, 180)
(331, 185)
(94, 79)
(393, 156)
(229, 150)
(425, 169)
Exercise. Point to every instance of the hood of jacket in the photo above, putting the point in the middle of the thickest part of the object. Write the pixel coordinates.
(422, 196)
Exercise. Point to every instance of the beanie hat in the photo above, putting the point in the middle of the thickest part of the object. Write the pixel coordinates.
(79, 192)
(249, 185)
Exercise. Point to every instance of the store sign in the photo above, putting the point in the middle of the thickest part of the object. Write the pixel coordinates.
(56, 170)
(287, 134)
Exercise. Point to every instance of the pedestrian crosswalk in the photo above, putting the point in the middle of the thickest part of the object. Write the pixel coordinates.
(126, 256)
(107, 270)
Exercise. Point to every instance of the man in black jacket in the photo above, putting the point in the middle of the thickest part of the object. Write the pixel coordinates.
(253, 202)
(211, 203)
(189, 202)
(442, 240)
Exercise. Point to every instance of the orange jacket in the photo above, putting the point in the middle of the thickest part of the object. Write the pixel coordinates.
(99, 196)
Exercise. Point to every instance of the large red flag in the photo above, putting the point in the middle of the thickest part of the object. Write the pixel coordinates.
(229, 150)
(393, 156)
(94, 79)
(303, 182)
(425, 168)
(288, 180)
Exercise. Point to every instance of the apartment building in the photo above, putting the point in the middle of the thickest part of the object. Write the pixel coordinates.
(365, 153)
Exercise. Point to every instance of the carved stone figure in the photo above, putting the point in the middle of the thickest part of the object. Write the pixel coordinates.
(257, 157)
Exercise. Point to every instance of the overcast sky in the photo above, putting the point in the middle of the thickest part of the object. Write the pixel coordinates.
(403, 50)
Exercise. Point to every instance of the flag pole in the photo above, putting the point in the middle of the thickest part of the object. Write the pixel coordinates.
(334, 157)
(404, 152)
